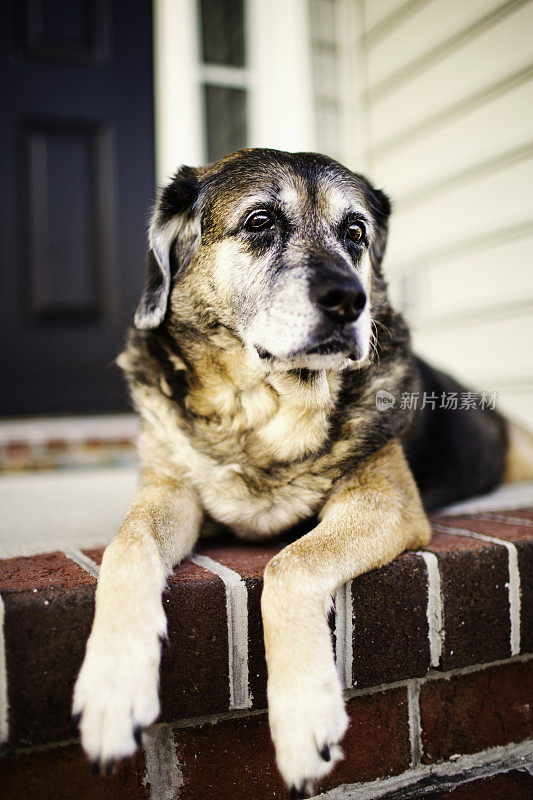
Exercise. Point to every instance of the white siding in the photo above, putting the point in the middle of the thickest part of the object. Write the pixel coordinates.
(449, 101)
(443, 77)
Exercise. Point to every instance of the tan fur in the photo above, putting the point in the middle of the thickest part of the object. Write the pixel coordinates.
(116, 691)
(268, 419)
(374, 515)
(519, 455)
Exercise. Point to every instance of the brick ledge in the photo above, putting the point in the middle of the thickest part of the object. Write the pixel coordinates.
(416, 642)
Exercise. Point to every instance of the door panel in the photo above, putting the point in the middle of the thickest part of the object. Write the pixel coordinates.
(77, 165)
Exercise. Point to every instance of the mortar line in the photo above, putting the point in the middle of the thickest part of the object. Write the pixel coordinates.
(83, 561)
(344, 634)
(444, 775)
(340, 633)
(348, 661)
(415, 725)
(163, 771)
(434, 607)
(237, 620)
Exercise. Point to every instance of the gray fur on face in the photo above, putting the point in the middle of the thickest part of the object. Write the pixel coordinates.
(259, 284)
(269, 290)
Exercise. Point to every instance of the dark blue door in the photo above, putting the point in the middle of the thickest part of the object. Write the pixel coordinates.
(77, 167)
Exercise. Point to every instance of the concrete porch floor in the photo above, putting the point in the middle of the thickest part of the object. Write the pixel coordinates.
(61, 509)
(82, 508)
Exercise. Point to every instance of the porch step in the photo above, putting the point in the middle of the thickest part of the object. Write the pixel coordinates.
(434, 648)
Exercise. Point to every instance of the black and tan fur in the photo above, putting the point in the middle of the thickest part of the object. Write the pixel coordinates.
(258, 406)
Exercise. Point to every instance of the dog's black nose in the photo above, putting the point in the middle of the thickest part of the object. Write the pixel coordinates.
(341, 299)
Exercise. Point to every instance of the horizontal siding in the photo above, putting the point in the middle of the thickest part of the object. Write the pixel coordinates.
(488, 353)
(450, 109)
(502, 48)
(459, 143)
(434, 24)
(327, 128)
(490, 280)
(500, 196)
(378, 12)
(325, 71)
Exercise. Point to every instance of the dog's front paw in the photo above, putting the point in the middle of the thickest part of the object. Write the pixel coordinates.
(115, 698)
(307, 722)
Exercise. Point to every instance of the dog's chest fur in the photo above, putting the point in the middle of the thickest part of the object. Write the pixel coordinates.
(247, 442)
(273, 419)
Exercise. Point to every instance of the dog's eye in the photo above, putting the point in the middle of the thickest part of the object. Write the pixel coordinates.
(258, 221)
(355, 232)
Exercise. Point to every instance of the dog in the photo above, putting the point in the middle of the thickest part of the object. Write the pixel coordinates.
(261, 341)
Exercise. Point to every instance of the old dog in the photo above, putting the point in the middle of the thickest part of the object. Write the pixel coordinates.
(261, 340)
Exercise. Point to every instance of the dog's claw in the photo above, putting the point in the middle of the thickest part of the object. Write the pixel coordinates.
(163, 641)
(76, 718)
(108, 767)
(298, 793)
(325, 752)
(103, 768)
(138, 734)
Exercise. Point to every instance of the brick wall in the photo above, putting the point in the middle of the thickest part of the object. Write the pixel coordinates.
(433, 650)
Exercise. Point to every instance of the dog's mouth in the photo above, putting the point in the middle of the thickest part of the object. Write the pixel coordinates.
(334, 345)
(327, 348)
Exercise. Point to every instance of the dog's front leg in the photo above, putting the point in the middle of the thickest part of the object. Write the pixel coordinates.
(370, 517)
(116, 694)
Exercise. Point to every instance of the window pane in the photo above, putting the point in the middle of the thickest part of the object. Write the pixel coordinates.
(225, 116)
(223, 32)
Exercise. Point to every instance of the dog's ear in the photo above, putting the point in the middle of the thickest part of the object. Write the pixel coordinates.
(380, 206)
(173, 237)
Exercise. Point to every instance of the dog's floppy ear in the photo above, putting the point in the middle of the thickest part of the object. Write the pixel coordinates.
(174, 234)
(380, 206)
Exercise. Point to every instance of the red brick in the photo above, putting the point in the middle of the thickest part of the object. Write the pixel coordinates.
(194, 666)
(511, 786)
(501, 528)
(249, 561)
(512, 513)
(47, 571)
(475, 600)
(511, 529)
(235, 759)
(96, 554)
(377, 742)
(390, 623)
(64, 773)
(49, 602)
(390, 627)
(472, 712)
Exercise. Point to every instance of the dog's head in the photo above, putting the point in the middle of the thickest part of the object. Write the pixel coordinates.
(283, 249)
